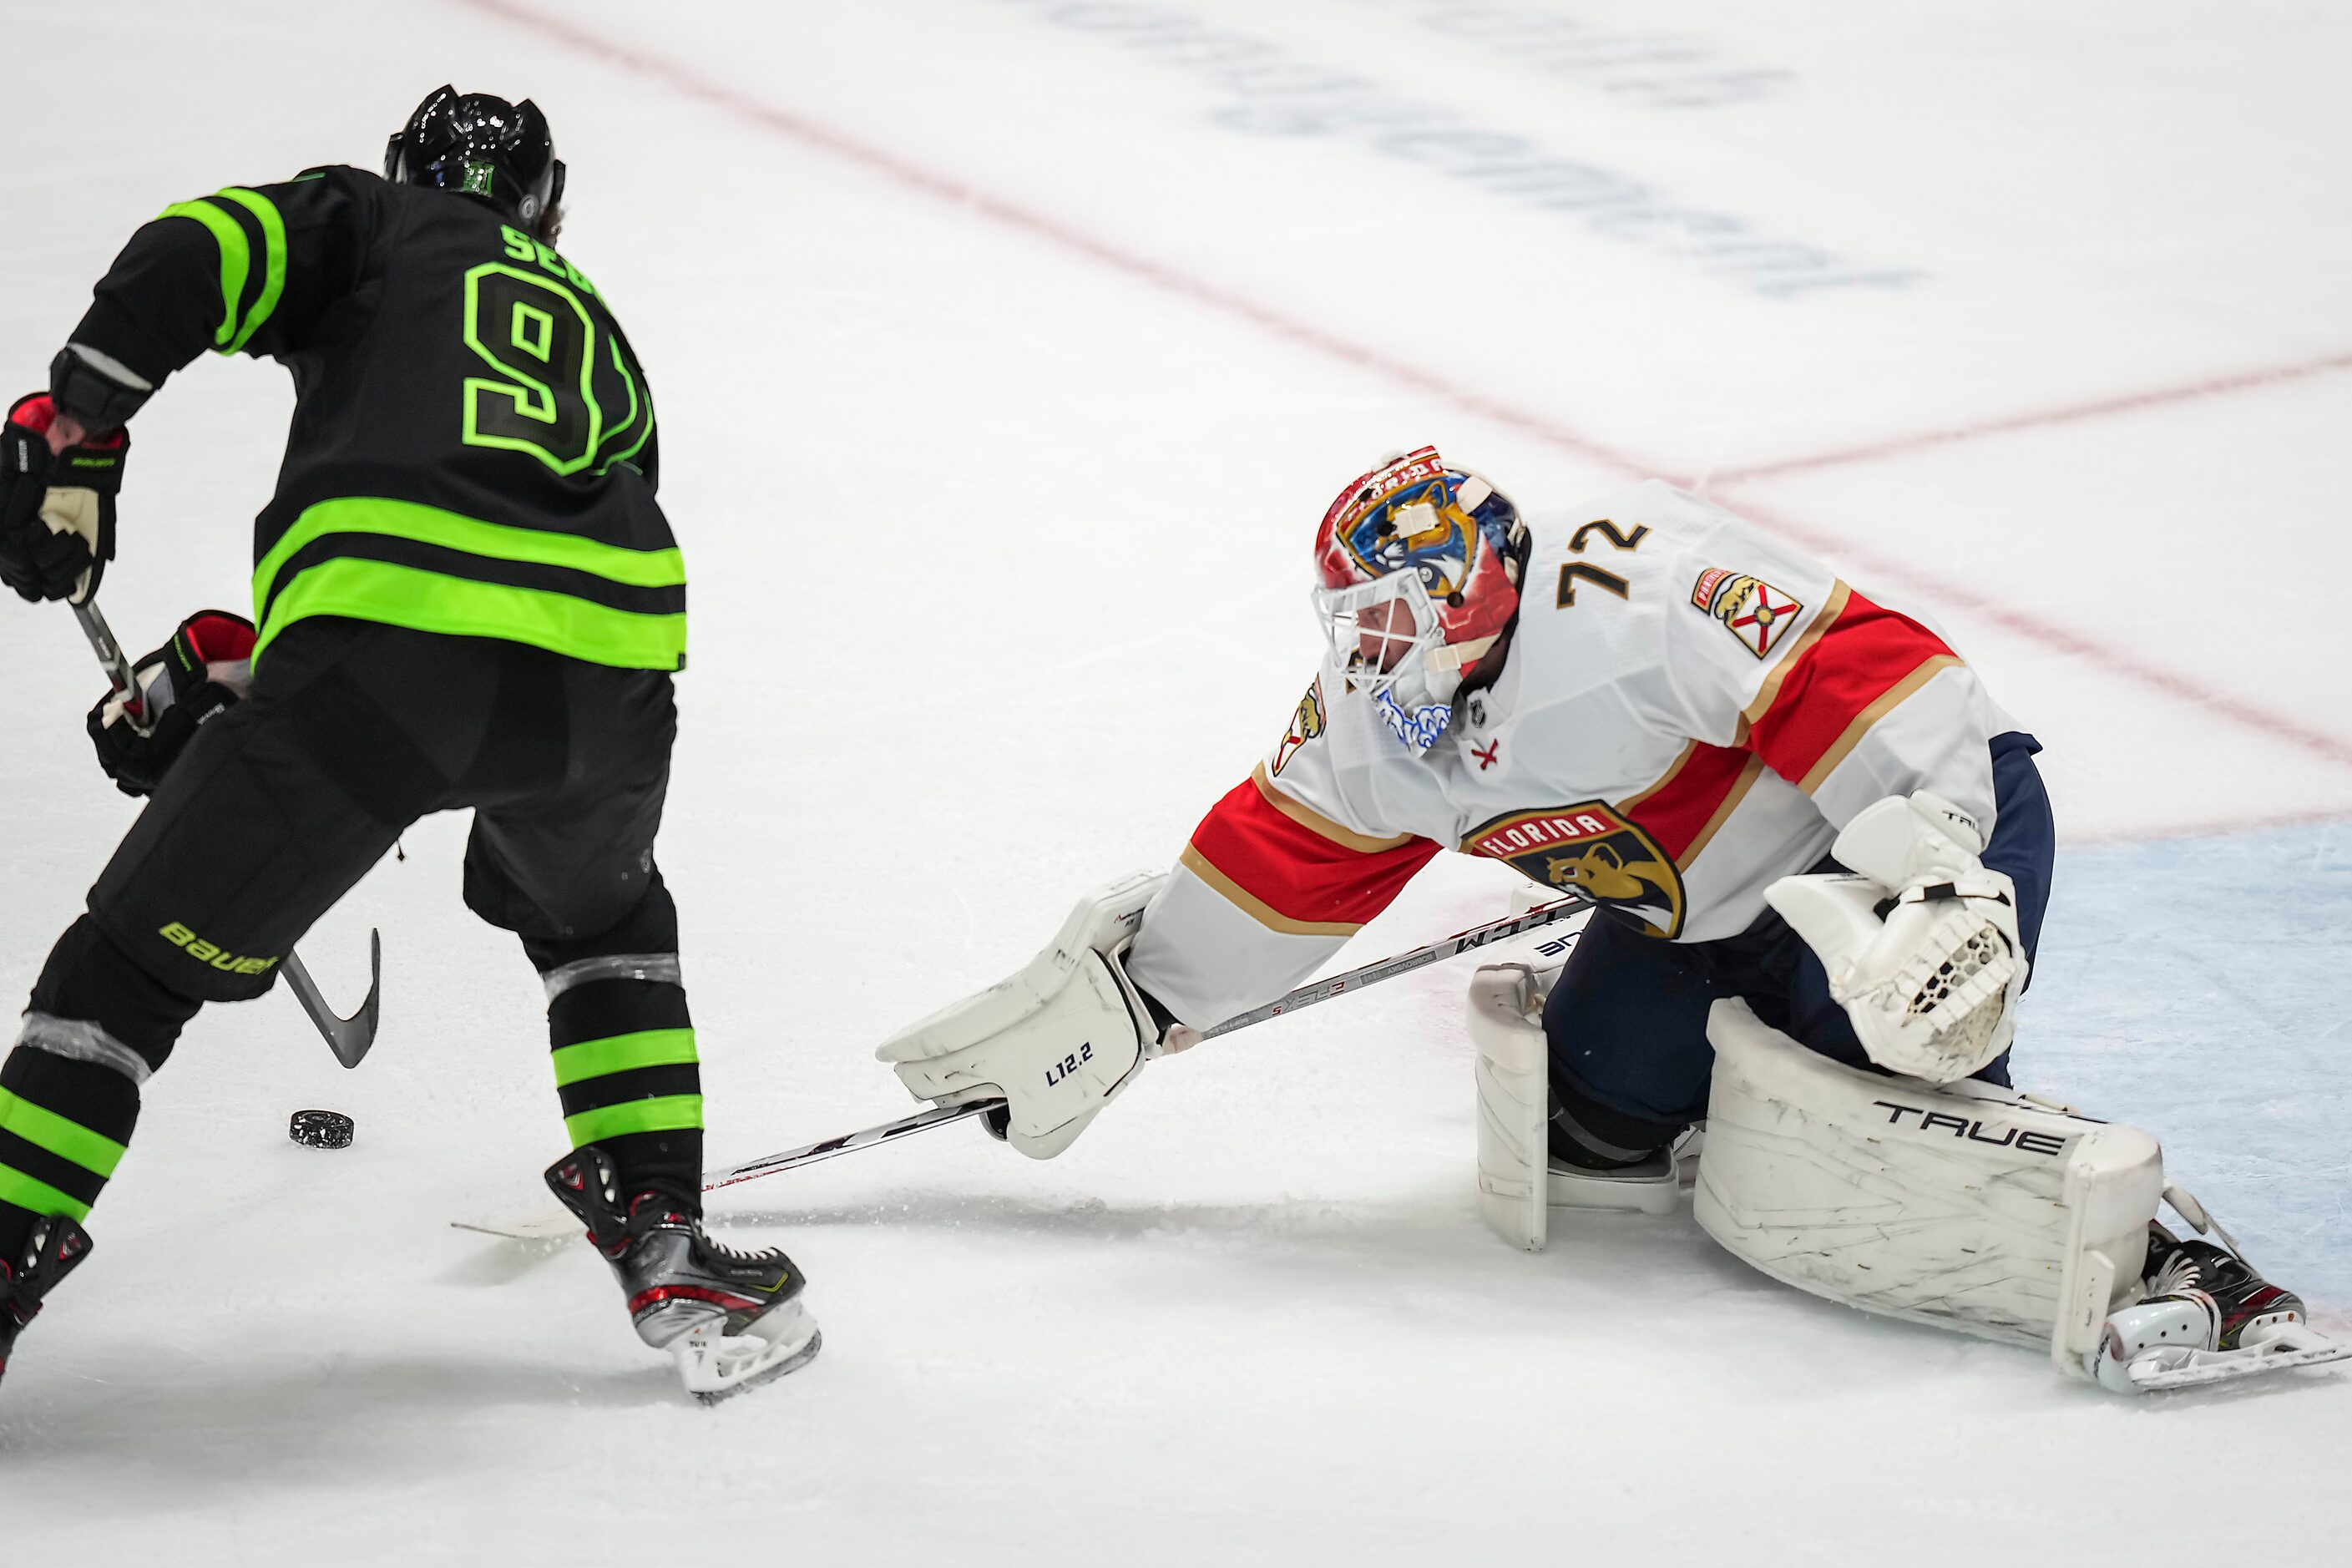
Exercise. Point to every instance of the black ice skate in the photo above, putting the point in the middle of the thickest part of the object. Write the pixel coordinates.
(2244, 1303)
(2206, 1316)
(731, 1320)
(55, 1245)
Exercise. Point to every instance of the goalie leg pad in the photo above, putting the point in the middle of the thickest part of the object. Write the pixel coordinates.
(1514, 1084)
(1518, 1182)
(1964, 1207)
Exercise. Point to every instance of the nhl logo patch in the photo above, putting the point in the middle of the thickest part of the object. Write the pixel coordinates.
(1592, 850)
(1752, 609)
(1304, 725)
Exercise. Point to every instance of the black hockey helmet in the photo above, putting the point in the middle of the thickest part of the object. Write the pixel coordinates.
(483, 146)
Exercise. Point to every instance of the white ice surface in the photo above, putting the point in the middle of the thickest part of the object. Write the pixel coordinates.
(1002, 377)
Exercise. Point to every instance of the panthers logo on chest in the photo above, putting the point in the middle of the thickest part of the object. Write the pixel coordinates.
(1592, 851)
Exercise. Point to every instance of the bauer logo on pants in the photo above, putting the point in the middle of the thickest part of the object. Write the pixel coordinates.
(1592, 851)
(1753, 610)
(207, 952)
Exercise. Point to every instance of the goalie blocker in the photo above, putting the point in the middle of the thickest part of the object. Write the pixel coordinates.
(1057, 1041)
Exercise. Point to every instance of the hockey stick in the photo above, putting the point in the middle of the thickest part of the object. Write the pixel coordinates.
(1307, 996)
(119, 673)
(349, 1037)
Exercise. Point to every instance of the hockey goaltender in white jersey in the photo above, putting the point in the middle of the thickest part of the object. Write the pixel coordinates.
(1816, 853)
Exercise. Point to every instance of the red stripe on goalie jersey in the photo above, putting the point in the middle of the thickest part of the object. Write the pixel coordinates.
(1296, 871)
(1839, 684)
(1682, 811)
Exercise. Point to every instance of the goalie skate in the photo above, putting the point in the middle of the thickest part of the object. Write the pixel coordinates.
(731, 1320)
(2208, 1317)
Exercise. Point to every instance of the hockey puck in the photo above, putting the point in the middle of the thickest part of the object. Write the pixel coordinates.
(321, 1128)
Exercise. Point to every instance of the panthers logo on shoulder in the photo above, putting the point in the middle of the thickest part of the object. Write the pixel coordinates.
(1752, 609)
(1304, 725)
(1592, 851)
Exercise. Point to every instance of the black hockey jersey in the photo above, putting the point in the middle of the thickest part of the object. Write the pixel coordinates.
(473, 448)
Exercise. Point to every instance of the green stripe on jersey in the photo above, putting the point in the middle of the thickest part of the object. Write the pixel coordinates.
(659, 1113)
(273, 263)
(433, 602)
(455, 531)
(60, 1135)
(236, 260)
(622, 1053)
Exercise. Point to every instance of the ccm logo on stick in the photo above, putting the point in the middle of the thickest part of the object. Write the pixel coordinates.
(1069, 1064)
(1961, 1127)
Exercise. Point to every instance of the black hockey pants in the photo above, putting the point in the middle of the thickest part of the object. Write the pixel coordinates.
(353, 730)
(1626, 1022)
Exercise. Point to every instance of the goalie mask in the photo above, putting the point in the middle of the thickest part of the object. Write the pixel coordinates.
(1419, 566)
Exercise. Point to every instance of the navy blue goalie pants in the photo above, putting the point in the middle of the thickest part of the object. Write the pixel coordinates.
(1626, 1022)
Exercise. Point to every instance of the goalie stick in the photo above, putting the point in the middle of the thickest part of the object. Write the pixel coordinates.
(1307, 996)
(349, 1037)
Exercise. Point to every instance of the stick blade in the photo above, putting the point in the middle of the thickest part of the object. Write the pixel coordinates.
(353, 1042)
(538, 1227)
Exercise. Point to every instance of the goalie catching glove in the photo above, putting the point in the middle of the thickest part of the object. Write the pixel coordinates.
(1920, 942)
(1057, 1041)
(197, 676)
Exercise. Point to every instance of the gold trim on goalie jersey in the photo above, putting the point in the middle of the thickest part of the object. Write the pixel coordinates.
(1257, 909)
(1592, 850)
(1886, 702)
(1314, 821)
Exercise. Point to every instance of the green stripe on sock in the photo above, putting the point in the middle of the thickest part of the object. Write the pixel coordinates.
(619, 1053)
(61, 1136)
(27, 1193)
(662, 1113)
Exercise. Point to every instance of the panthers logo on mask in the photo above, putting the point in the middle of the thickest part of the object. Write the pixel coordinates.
(1415, 524)
(1591, 850)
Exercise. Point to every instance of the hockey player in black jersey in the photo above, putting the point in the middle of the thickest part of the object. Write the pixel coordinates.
(464, 595)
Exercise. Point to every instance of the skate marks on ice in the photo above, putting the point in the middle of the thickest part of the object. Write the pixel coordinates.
(511, 1260)
(1427, 1260)
(305, 1418)
(1610, 1280)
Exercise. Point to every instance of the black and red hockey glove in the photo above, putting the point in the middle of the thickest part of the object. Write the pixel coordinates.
(201, 672)
(56, 509)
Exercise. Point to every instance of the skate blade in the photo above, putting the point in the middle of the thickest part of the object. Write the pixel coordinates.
(2205, 1368)
(714, 1366)
(792, 1362)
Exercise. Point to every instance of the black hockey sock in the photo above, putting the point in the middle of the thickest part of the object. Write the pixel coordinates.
(626, 1071)
(624, 1047)
(97, 1025)
(63, 1124)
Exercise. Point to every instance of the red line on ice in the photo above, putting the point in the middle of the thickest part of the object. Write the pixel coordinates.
(967, 198)
(2129, 402)
(2315, 817)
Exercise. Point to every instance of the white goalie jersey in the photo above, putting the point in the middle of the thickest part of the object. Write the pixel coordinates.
(1689, 711)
